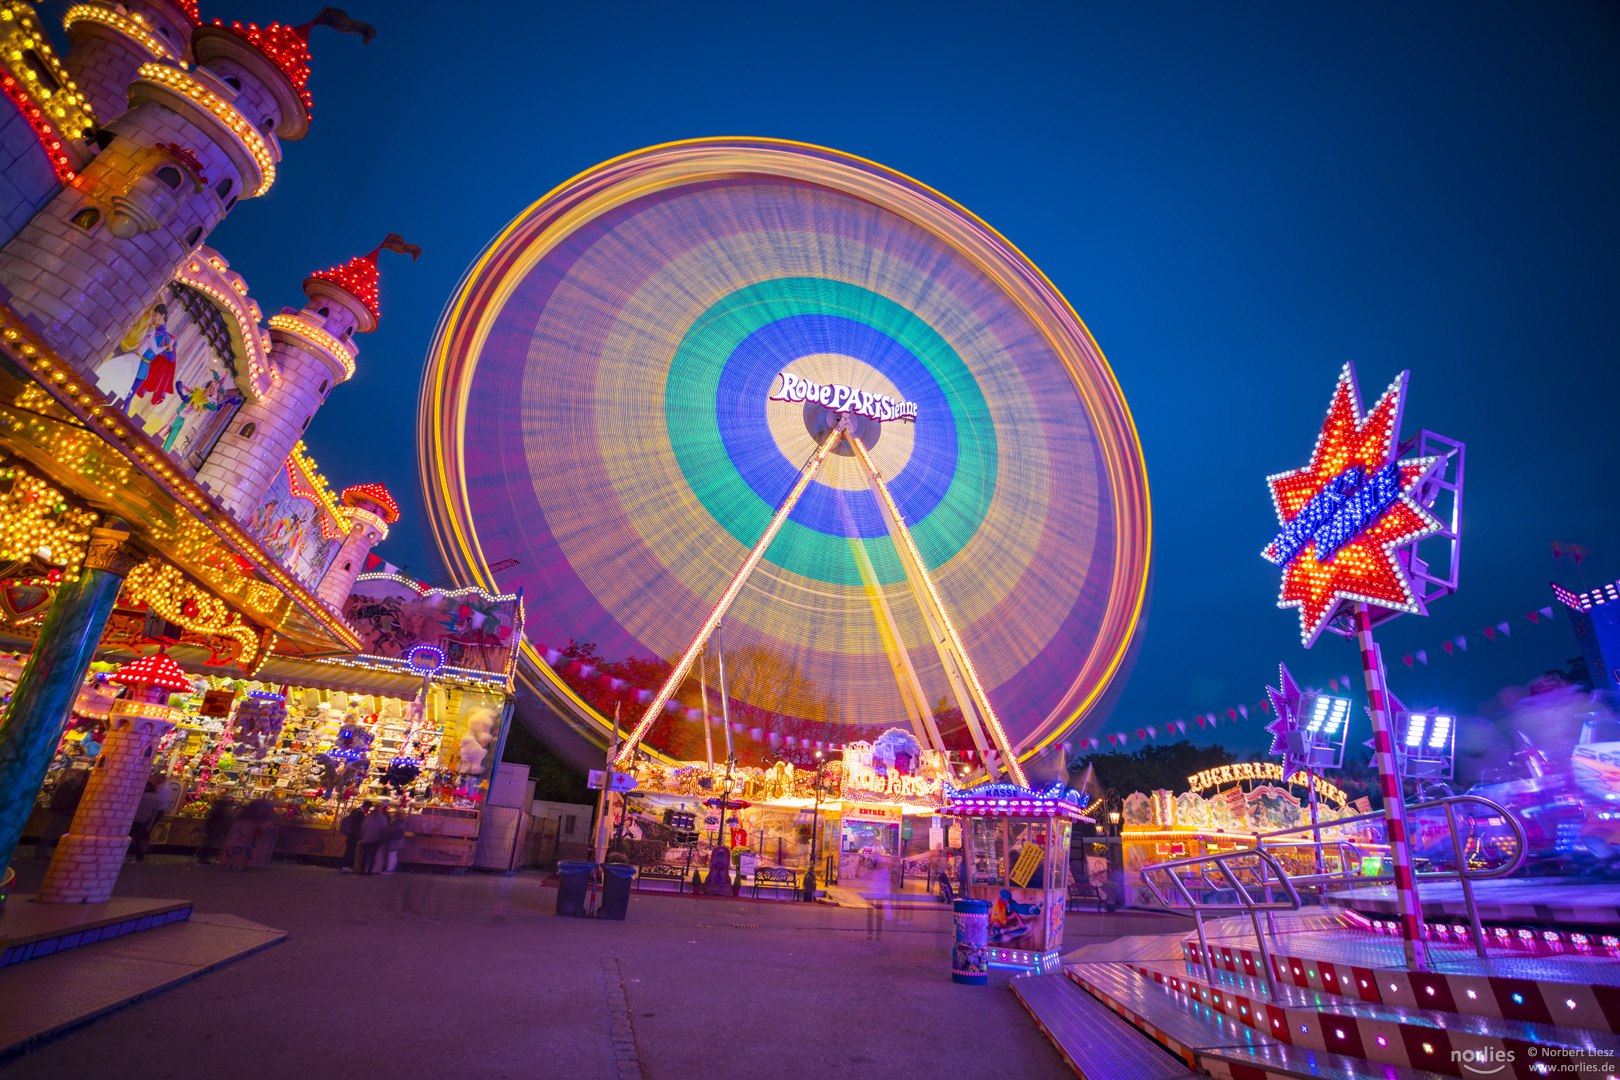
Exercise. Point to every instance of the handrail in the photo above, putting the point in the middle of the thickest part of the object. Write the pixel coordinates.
(1464, 875)
(1246, 901)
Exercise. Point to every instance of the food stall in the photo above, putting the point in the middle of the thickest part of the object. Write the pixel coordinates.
(1016, 852)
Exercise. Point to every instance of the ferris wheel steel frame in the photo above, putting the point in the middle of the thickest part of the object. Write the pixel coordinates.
(971, 698)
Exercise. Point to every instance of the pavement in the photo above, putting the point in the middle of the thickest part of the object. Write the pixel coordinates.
(430, 975)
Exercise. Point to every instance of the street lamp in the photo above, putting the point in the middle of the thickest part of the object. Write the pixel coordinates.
(810, 875)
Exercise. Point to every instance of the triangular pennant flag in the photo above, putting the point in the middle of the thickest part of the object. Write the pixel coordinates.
(1231, 714)
(1407, 659)
(1423, 657)
(1462, 642)
(1153, 733)
(1213, 720)
(1448, 646)
(1244, 709)
(1490, 633)
(1265, 705)
(1200, 720)
(1546, 612)
(1504, 629)
(1533, 617)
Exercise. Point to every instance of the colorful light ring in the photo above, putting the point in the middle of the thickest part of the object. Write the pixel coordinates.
(596, 406)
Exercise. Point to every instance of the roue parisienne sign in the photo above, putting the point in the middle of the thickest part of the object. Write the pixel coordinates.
(841, 398)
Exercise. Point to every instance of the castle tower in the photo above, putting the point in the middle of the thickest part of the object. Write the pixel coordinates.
(87, 266)
(85, 867)
(110, 41)
(313, 350)
(370, 511)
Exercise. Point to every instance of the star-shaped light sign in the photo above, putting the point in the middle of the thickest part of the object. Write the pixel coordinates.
(1345, 515)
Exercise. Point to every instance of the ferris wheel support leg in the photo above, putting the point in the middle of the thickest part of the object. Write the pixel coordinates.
(964, 680)
(684, 666)
(905, 673)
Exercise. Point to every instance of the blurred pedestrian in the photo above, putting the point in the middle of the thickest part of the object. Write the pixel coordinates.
(373, 834)
(396, 838)
(63, 803)
(146, 815)
(216, 826)
(350, 828)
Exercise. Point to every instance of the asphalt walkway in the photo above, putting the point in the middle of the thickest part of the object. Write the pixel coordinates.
(423, 975)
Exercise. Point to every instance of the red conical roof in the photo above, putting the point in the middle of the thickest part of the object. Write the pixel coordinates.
(283, 46)
(374, 493)
(358, 278)
(156, 670)
(190, 8)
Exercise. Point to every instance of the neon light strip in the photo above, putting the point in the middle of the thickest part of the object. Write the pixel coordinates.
(250, 139)
(246, 327)
(656, 707)
(980, 698)
(314, 489)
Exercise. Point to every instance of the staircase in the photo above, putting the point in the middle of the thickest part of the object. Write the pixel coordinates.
(1344, 1007)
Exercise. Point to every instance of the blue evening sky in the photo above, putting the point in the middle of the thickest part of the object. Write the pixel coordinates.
(1237, 198)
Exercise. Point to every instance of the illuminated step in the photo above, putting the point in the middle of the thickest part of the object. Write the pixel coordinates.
(1566, 991)
(1209, 1041)
(1403, 1035)
(1097, 1044)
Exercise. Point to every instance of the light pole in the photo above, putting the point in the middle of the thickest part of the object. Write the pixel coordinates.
(810, 875)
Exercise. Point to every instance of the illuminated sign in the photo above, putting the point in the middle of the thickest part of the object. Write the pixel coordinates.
(841, 398)
(1263, 770)
(1344, 515)
(892, 782)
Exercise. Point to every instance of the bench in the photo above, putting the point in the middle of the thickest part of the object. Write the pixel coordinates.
(1088, 893)
(662, 872)
(775, 877)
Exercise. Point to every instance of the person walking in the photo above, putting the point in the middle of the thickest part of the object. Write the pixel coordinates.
(396, 838)
(350, 828)
(215, 828)
(146, 816)
(373, 834)
(63, 803)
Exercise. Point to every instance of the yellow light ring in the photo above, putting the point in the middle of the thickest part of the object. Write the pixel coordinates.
(128, 27)
(237, 124)
(298, 327)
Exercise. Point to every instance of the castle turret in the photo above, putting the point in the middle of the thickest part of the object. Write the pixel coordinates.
(110, 42)
(312, 350)
(86, 267)
(370, 511)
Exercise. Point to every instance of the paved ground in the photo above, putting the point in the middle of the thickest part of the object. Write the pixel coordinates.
(420, 975)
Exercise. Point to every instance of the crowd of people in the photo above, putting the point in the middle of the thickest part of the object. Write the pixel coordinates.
(372, 838)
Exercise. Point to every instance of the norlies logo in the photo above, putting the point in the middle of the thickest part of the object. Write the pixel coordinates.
(1483, 1062)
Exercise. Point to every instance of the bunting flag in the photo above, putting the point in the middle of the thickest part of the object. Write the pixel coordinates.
(1490, 633)
(1423, 657)
(1462, 642)
(1533, 616)
(1407, 659)
(1333, 684)
(1546, 612)
(1447, 645)
(1505, 629)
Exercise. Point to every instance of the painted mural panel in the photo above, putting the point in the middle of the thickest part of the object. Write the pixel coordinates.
(296, 528)
(473, 628)
(174, 375)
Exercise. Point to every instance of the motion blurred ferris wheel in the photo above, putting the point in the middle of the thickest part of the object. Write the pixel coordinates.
(778, 387)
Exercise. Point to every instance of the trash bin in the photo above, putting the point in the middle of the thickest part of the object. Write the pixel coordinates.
(970, 960)
(573, 878)
(616, 881)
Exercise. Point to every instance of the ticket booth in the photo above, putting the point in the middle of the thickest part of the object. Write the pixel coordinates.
(1016, 858)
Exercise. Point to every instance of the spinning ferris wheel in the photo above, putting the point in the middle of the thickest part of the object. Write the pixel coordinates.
(783, 389)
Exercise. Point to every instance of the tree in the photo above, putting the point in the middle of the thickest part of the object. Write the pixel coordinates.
(1149, 768)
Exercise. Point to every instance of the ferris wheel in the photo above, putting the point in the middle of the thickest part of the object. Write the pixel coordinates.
(778, 389)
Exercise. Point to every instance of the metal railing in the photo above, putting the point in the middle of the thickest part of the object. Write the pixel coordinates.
(1243, 873)
(1349, 851)
(1251, 874)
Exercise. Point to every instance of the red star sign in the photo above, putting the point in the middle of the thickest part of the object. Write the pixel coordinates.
(1345, 515)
